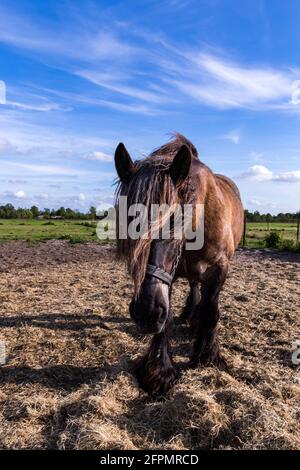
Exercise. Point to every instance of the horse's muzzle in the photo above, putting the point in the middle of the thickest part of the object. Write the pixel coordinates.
(148, 323)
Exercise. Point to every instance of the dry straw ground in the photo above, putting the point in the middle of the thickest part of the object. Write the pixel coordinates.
(67, 381)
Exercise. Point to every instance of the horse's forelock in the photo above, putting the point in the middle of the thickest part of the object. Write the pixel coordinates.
(151, 184)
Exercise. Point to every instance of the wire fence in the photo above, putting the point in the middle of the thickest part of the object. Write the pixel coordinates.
(258, 233)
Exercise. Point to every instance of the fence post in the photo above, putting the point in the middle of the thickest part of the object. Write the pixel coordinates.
(298, 226)
(244, 232)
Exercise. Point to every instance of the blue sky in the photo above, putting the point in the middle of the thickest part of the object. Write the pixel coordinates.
(83, 75)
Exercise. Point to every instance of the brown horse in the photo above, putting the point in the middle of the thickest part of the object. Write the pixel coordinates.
(173, 174)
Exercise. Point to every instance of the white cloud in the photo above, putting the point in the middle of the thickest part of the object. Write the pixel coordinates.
(261, 173)
(256, 202)
(20, 194)
(233, 136)
(256, 156)
(82, 197)
(264, 205)
(288, 177)
(27, 135)
(6, 146)
(257, 173)
(99, 156)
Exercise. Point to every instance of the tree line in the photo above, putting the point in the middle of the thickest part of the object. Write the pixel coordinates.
(8, 211)
(281, 217)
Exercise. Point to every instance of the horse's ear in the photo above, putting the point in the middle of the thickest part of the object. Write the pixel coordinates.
(181, 164)
(123, 163)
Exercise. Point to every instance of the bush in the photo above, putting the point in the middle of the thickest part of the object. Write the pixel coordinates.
(73, 239)
(288, 245)
(272, 240)
(87, 224)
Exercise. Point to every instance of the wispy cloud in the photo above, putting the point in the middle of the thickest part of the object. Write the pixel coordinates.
(76, 42)
(95, 101)
(167, 73)
(233, 136)
(47, 169)
(6, 146)
(22, 134)
(34, 107)
(223, 83)
(141, 94)
(99, 156)
(130, 108)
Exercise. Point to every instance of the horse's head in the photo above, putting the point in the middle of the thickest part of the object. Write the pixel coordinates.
(150, 309)
(158, 180)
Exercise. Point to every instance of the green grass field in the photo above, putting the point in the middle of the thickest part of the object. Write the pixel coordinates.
(42, 230)
(257, 231)
(80, 231)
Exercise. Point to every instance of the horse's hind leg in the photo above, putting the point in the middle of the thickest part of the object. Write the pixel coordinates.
(155, 371)
(191, 303)
(206, 349)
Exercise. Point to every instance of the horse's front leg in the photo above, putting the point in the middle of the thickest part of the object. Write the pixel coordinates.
(155, 371)
(191, 304)
(206, 348)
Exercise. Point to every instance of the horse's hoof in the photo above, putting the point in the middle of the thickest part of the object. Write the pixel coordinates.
(221, 363)
(157, 384)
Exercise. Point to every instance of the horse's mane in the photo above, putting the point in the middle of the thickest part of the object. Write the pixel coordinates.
(151, 184)
(171, 148)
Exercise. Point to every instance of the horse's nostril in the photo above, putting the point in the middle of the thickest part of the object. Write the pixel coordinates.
(162, 314)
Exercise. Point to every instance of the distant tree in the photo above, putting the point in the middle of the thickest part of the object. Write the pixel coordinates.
(268, 220)
(35, 211)
(61, 212)
(9, 212)
(70, 213)
(46, 213)
(92, 212)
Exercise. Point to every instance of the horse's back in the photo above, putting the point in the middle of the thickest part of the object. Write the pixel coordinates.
(228, 182)
(234, 208)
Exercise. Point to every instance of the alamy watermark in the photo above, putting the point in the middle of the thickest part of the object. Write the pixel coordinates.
(2, 92)
(159, 221)
(2, 353)
(296, 352)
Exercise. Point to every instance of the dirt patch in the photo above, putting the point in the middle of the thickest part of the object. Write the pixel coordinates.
(69, 341)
